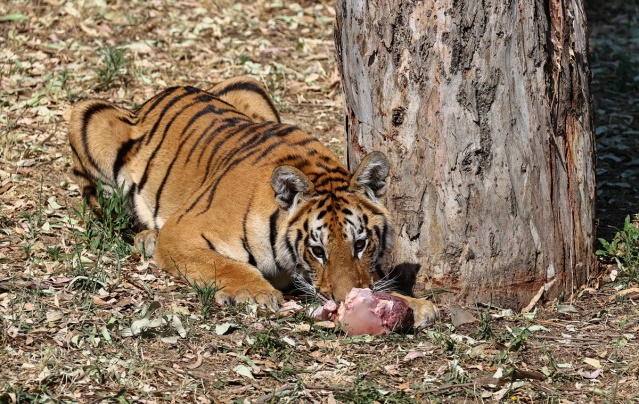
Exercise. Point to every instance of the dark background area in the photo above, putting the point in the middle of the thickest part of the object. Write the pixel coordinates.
(614, 61)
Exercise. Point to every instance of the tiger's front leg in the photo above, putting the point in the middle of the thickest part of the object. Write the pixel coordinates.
(185, 252)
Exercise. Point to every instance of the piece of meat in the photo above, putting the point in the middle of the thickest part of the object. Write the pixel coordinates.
(367, 312)
(326, 312)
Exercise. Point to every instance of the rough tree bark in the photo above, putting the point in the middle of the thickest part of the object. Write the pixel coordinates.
(484, 110)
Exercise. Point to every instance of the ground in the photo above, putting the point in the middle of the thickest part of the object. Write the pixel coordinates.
(83, 319)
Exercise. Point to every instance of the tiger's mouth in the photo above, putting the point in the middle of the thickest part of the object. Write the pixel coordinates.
(308, 291)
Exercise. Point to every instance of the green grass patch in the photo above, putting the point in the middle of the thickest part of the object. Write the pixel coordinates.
(623, 250)
(113, 69)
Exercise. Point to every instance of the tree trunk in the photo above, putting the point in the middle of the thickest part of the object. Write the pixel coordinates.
(485, 113)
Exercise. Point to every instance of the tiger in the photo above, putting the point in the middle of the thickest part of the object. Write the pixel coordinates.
(227, 194)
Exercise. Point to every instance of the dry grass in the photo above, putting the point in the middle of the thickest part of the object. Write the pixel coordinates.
(71, 293)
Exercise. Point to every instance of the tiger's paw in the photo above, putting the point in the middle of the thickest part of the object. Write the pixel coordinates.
(144, 242)
(424, 311)
(265, 296)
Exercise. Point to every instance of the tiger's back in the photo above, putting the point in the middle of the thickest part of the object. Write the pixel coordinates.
(140, 152)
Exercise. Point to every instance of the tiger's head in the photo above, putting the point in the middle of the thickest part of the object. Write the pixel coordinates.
(336, 232)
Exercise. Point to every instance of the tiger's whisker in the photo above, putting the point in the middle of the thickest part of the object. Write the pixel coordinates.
(386, 285)
(307, 288)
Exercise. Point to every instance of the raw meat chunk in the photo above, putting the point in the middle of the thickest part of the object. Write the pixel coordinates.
(367, 312)
(326, 312)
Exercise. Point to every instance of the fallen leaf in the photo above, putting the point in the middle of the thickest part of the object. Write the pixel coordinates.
(477, 351)
(589, 375)
(460, 316)
(105, 333)
(197, 362)
(142, 47)
(89, 31)
(69, 9)
(54, 316)
(325, 324)
(499, 395)
(126, 332)
(537, 327)
(302, 327)
(12, 331)
(566, 309)
(503, 313)
(289, 341)
(44, 374)
(224, 328)
(53, 204)
(97, 300)
(26, 163)
(61, 280)
(625, 292)
(613, 275)
(15, 17)
(140, 325)
(243, 370)
(546, 371)
(327, 344)
(124, 302)
(414, 355)
(289, 308)
(519, 374)
(391, 370)
(148, 311)
(177, 325)
(593, 362)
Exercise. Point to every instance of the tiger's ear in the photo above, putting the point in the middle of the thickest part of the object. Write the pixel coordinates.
(371, 175)
(290, 184)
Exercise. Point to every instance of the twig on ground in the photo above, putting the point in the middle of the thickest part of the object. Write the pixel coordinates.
(534, 300)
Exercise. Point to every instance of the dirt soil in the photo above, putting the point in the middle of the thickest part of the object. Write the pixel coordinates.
(81, 324)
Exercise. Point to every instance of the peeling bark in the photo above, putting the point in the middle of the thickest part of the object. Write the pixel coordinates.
(484, 110)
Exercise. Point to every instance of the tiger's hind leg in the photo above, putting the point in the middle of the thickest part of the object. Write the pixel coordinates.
(87, 187)
(249, 97)
(100, 135)
(145, 241)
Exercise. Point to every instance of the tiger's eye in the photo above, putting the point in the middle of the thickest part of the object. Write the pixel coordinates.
(318, 251)
(359, 245)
